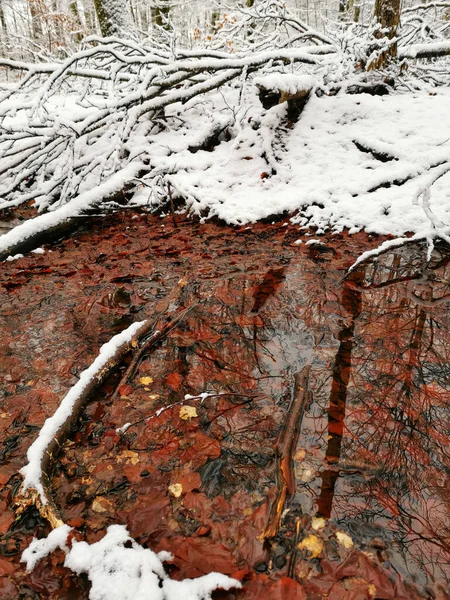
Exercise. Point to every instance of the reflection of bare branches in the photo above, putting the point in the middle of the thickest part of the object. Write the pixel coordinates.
(396, 413)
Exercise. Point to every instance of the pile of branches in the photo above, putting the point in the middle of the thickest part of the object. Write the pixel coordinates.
(78, 158)
(66, 161)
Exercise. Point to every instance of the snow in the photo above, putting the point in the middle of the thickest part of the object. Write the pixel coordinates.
(441, 47)
(359, 162)
(38, 549)
(320, 173)
(288, 83)
(120, 569)
(32, 472)
(15, 257)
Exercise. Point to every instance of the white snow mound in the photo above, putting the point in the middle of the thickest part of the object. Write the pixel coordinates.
(121, 569)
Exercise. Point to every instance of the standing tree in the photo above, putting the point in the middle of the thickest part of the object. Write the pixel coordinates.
(387, 16)
(114, 17)
(160, 15)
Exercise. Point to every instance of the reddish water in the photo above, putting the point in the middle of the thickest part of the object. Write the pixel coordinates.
(371, 451)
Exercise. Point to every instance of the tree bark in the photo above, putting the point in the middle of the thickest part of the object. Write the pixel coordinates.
(36, 25)
(3, 29)
(78, 18)
(114, 17)
(387, 16)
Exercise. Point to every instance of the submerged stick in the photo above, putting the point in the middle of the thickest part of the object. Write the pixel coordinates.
(284, 451)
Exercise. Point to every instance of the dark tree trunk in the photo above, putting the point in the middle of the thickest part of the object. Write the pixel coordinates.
(36, 25)
(160, 15)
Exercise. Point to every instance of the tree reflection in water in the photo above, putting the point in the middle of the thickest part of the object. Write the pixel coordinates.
(377, 434)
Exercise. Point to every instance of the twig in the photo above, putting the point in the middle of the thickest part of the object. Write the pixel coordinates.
(172, 208)
(201, 397)
(285, 449)
(146, 344)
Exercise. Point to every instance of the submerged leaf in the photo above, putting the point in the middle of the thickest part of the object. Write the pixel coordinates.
(188, 412)
(312, 544)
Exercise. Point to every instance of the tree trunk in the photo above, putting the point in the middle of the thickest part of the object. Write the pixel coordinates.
(343, 9)
(387, 16)
(3, 29)
(36, 25)
(78, 18)
(160, 15)
(114, 17)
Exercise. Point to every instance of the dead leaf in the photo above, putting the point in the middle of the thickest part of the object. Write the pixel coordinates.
(176, 489)
(173, 380)
(318, 523)
(312, 544)
(344, 539)
(129, 457)
(102, 505)
(372, 590)
(146, 380)
(188, 412)
(299, 455)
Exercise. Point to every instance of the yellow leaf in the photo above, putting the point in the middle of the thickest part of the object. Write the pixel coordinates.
(146, 380)
(312, 544)
(344, 539)
(299, 455)
(176, 489)
(101, 505)
(129, 457)
(318, 523)
(188, 412)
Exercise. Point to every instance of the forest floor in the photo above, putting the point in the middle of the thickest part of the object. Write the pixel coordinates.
(367, 516)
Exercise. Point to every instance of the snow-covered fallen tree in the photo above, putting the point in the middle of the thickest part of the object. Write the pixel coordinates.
(126, 123)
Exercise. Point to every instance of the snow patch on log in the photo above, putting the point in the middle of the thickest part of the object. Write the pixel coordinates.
(39, 549)
(286, 83)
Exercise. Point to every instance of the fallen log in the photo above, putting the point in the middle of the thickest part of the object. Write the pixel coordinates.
(54, 225)
(279, 87)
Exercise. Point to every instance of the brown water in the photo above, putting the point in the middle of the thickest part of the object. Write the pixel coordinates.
(371, 455)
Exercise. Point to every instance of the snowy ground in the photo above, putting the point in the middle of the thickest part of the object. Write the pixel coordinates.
(317, 171)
